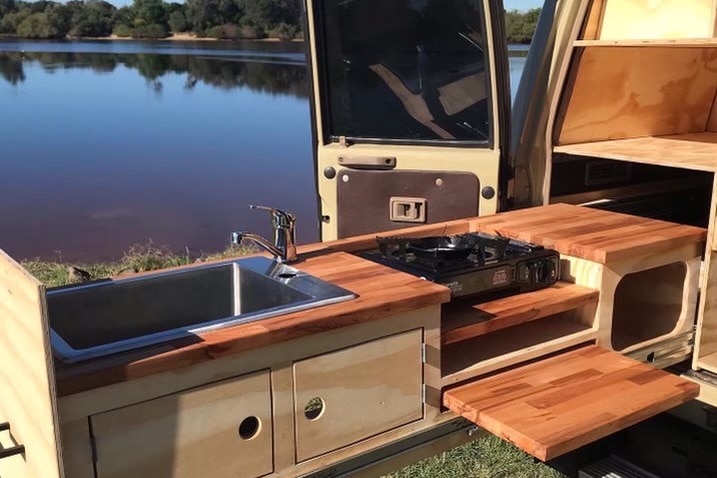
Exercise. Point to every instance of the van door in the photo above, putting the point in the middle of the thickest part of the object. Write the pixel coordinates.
(410, 109)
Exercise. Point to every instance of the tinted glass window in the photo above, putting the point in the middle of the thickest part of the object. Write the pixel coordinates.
(404, 69)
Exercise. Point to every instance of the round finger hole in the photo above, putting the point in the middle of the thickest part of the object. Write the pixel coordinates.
(314, 408)
(249, 428)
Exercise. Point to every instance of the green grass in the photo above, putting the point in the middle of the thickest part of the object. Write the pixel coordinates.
(139, 258)
(487, 457)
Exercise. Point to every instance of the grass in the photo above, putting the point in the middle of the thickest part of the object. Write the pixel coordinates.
(487, 457)
(139, 258)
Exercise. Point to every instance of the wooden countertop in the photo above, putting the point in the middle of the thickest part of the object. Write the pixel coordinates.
(381, 292)
(592, 234)
(583, 232)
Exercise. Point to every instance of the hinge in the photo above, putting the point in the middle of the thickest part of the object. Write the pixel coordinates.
(423, 393)
(423, 352)
(343, 141)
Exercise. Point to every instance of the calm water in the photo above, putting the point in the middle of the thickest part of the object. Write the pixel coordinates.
(109, 144)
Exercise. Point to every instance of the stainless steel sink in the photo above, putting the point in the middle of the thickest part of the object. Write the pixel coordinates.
(105, 317)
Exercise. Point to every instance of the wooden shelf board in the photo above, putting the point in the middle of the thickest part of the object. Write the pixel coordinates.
(556, 405)
(490, 352)
(664, 42)
(708, 362)
(464, 319)
(696, 151)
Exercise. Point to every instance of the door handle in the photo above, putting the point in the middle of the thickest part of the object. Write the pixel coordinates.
(12, 451)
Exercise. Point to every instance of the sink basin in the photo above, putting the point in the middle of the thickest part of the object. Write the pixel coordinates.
(109, 316)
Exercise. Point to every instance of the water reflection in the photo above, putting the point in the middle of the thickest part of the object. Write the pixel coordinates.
(264, 75)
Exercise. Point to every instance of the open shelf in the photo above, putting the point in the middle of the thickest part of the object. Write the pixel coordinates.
(506, 347)
(696, 151)
(664, 42)
(708, 362)
(462, 320)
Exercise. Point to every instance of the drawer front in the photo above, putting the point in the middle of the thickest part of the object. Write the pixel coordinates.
(224, 428)
(352, 394)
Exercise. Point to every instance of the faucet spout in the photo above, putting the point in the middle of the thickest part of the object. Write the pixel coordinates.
(238, 237)
(283, 224)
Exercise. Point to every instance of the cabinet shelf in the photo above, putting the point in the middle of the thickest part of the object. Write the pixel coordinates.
(489, 352)
(663, 42)
(464, 319)
(696, 151)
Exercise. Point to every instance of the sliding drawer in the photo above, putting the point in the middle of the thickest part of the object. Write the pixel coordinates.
(553, 406)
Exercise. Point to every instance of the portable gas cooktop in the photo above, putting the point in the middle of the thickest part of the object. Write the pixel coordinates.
(473, 263)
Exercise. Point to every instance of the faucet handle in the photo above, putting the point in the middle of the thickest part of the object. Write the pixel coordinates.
(281, 218)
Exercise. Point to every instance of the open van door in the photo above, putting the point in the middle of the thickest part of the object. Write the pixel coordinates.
(410, 111)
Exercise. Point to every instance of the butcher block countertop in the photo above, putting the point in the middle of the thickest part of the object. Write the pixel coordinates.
(381, 292)
(582, 232)
(591, 234)
(586, 233)
(557, 405)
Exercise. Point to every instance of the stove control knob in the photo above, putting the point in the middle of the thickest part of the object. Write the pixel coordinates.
(546, 272)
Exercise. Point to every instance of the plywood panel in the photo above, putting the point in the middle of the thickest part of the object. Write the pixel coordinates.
(191, 433)
(625, 92)
(657, 19)
(464, 319)
(366, 390)
(27, 382)
(556, 405)
(696, 151)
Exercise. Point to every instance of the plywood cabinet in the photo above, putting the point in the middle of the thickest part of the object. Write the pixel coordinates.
(223, 428)
(358, 392)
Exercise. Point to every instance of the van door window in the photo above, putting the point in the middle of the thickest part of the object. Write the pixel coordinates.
(404, 70)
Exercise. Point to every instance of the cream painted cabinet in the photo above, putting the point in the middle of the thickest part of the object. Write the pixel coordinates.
(355, 393)
(220, 429)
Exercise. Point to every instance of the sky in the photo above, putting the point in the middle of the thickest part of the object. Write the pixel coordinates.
(509, 4)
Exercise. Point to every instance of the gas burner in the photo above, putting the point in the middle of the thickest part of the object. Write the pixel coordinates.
(470, 263)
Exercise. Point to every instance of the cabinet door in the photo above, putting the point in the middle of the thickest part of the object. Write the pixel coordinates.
(221, 429)
(346, 396)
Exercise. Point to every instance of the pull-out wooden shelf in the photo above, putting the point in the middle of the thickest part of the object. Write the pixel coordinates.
(464, 320)
(696, 151)
(556, 405)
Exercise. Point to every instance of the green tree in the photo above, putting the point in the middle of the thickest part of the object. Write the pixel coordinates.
(39, 25)
(6, 6)
(177, 21)
(149, 12)
(96, 19)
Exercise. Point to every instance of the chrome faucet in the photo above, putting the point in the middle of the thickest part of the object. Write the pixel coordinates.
(283, 223)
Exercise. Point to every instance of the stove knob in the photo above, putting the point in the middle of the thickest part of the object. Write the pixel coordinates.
(546, 272)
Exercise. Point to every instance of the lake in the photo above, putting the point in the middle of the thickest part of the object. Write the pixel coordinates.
(106, 144)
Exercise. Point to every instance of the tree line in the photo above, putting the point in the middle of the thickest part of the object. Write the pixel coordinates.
(225, 19)
(275, 78)
(520, 26)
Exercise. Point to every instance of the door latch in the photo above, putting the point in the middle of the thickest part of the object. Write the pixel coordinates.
(407, 209)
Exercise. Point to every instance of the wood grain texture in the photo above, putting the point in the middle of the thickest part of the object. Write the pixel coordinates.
(487, 353)
(593, 21)
(657, 19)
(663, 42)
(27, 382)
(381, 292)
(556, 405)
(696, 151)
(465, 319)
(366, 390)
(187, 434)
(650, 91)
(592, 234)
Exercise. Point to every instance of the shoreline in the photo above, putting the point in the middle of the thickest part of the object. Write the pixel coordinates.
(174, 37)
